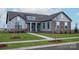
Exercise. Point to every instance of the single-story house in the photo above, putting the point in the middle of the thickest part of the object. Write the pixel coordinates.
(30, 22)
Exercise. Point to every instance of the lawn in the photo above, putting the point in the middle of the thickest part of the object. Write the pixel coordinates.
(24, 36)
(30, 44)
(59, 35)
(5, 37)
(71, 40)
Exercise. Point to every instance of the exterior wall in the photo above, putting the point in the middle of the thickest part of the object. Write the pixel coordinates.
(53, 26)
(46, 29)
(62, 27)
(11, 24)
(69, 27)
(62, 19)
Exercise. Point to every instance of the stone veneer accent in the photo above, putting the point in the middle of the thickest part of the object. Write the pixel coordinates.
(53, 26)
(69, 27)
(62, 27)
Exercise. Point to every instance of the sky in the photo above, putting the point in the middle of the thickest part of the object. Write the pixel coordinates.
(73, 13)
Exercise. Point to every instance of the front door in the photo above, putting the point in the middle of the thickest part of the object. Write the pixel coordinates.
(33, 27)
(38, 27)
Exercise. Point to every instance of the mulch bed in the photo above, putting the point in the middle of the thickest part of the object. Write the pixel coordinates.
(55, 41)
(3, 45)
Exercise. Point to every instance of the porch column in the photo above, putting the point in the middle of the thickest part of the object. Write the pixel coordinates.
(36, 27)
(30, 26)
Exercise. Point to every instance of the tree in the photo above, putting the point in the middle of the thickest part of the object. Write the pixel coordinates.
(76, 28)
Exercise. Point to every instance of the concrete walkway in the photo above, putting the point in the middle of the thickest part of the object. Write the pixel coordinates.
(68, 38)
(50, 38)
(45, 37)
(22, 41)
(43, 46)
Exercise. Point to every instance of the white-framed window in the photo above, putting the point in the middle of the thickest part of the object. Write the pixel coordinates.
(62, 16)
(43, 25)
(57, 25)
(48, 25)
(66, 24)
(18, 25)
(58, 18)
(31, 17)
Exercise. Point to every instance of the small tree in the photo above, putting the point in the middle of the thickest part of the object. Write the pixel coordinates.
(76, 28)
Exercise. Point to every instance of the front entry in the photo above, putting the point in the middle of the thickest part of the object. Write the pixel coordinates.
(33, 27)
(38, 27)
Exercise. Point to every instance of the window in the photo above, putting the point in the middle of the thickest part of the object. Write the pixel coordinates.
(48, 25)
(57, 23)
(18, 25)
(58, 18)
(66, 25)
(57, 27)
(43, 25)
(62, 16)
(31, 17)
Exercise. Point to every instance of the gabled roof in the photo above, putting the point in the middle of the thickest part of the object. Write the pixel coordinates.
(11, 15)
(56, 14)
(39, 17)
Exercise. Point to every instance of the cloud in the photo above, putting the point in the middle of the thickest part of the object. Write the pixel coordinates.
(41, 10)
(77, 14)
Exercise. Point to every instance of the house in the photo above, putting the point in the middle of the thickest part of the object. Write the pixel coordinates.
(29, 22)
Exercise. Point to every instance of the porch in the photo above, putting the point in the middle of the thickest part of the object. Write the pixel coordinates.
(34, 26)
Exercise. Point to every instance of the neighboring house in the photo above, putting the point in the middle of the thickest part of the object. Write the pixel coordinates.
(29, 22)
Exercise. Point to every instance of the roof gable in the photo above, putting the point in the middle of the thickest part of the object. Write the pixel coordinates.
(11, 15)
(57, 14)
(39, 17)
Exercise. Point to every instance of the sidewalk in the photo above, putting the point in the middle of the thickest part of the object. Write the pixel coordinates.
(68, 38)
(43, 46)
(22, 41)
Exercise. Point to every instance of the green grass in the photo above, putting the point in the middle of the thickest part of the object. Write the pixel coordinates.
(30, 44)
(24, 36)
(59, 35)
(71, 40)
(5, 37)
(18, 45)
